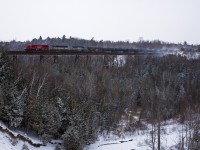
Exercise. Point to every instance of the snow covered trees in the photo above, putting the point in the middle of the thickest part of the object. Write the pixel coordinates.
(13, 100)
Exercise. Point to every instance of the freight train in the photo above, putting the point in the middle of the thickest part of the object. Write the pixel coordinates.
(56, 48)
(35, 47)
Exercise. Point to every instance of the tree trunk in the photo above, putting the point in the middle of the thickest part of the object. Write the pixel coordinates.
(158, 113)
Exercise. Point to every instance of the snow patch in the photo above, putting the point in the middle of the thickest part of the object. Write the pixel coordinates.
(8, 143)
(140, 139)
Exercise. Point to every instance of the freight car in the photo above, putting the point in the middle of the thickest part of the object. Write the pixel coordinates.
(58, 47)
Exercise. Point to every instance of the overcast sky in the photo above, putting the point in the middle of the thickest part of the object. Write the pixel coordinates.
(167, 20)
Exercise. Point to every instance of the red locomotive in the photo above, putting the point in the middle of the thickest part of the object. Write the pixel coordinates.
(31, 47)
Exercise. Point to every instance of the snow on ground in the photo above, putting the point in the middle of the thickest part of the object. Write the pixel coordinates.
(139, 140)
(7, 143)
(32, 137)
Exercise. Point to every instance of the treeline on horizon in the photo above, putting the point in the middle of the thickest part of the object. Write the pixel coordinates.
(72, 41)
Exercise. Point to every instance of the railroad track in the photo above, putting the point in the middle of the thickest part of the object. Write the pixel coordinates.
(72, 52)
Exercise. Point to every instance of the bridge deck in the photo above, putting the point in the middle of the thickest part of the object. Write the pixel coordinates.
(72, 52)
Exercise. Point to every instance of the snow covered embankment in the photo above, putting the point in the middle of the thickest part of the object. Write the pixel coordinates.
(10, 140)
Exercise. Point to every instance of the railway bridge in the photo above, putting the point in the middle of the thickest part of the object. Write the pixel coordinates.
(107, 54)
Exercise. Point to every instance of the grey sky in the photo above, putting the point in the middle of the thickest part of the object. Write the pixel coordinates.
(167, 20)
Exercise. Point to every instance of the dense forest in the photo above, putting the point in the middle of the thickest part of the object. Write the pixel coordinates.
(77, 100)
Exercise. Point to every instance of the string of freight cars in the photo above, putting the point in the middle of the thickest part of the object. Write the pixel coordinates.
(62, 48)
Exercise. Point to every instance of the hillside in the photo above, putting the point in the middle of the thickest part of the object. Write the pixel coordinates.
(77, 101)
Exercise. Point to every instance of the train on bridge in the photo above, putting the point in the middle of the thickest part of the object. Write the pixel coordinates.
(58, 50)
(62, 48)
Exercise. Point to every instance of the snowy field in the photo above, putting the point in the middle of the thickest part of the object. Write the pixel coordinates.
(140, 140)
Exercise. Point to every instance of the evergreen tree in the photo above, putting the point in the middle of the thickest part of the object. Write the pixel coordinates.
(13, 102)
